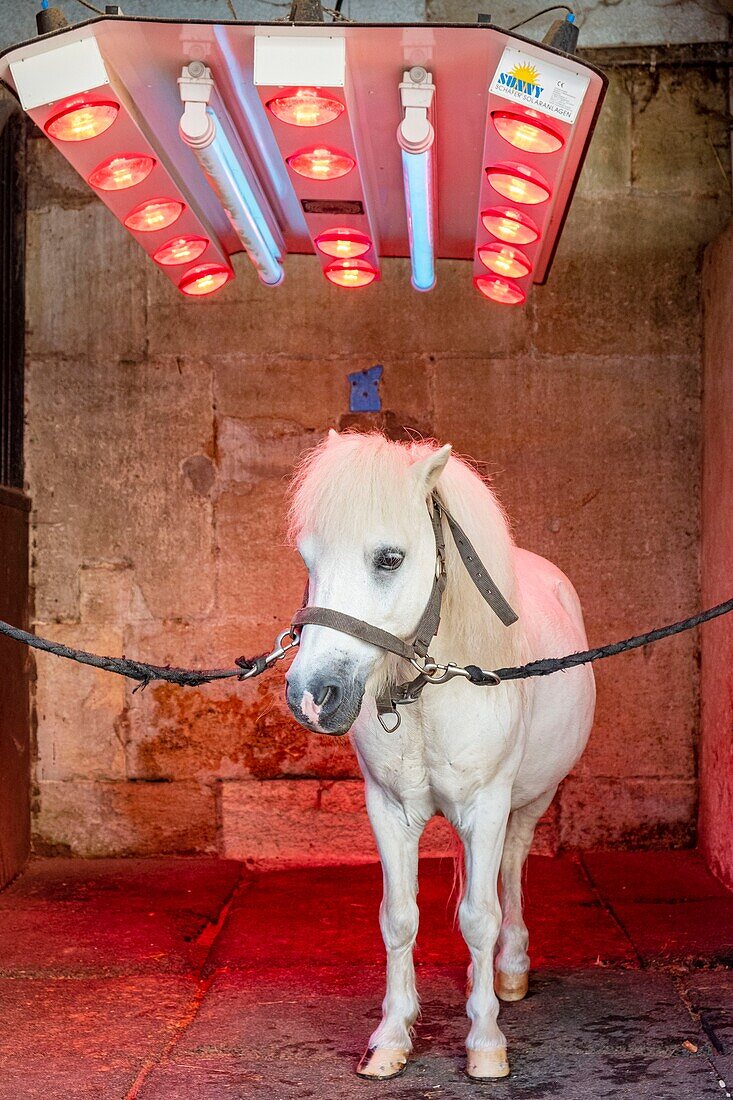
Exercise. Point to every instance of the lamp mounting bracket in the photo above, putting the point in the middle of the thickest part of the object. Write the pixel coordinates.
(415, 133)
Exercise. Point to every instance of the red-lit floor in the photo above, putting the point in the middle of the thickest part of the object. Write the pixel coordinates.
(192, 979)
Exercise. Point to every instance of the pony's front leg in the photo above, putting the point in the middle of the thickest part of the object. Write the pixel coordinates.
(397, 839)
(482, 830)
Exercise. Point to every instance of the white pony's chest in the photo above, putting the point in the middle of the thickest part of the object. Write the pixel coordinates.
(448, 748)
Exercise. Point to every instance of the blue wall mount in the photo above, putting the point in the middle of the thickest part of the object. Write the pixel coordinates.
(364, 390)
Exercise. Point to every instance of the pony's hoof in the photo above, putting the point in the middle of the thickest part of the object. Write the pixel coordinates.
(511, 987)
(487, 1065)
(382, 1064)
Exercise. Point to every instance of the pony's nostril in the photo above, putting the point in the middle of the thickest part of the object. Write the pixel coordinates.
(325, 695)
(327, 698)
(321, 694)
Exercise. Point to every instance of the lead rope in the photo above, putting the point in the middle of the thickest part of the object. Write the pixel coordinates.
(146, 673)
(247, 668)
(549, 665)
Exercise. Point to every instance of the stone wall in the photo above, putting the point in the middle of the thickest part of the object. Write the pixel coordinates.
(716, 757)
(161, 433)
(602, 23)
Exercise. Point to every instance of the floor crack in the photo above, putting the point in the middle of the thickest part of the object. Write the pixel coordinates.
(207, 938)
(707, 1029)
(606, 904)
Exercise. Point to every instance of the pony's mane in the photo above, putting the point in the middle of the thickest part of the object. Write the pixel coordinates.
(362, 475)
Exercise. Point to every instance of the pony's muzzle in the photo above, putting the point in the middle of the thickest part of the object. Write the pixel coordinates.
(323, 703)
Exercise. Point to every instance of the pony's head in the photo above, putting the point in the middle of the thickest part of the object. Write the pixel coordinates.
(361, 524)
(360, 519)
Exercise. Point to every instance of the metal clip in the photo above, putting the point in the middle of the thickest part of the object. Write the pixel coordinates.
(426, 665)
(449, 672)
(281, 650)
(439, 674)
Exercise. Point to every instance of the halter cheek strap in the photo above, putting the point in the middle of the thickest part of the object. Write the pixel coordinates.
(479, 575)
(429, 622)
(427, 628)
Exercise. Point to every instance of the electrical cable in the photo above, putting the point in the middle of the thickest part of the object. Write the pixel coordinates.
(537, 14)
(91, 7)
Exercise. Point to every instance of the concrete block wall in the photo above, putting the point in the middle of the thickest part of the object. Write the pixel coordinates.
(161, 433)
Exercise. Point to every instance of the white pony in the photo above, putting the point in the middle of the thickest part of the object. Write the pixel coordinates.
(488, 758)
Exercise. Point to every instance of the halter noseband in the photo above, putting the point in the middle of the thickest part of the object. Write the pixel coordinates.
(416, 650)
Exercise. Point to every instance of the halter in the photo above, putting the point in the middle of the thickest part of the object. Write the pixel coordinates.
(417, 650)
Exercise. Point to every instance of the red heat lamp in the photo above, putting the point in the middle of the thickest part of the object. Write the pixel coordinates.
(500, 290)
(343, 244)
(519, 182)
(205, 279)
(505, 260)
(153, 215)
(509, 225)
(350, 274)
(180, 250)
(305, 107)
(321, 164)
(528, 132)
(121, 171)
(82, 120)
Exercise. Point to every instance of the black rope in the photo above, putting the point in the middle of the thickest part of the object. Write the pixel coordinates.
(192, 677)
(549, 665)
(122, 666)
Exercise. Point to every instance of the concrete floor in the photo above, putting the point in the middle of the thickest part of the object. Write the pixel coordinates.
(191, 979)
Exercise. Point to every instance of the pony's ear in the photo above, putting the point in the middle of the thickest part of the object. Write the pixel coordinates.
(332, 435)
(428, 470)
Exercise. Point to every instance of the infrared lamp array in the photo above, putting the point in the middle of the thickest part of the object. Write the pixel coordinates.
(98, 135)
(515, 199)
(313, 131)
(523, 159)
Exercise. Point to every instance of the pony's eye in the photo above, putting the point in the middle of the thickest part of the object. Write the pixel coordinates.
(388, 559)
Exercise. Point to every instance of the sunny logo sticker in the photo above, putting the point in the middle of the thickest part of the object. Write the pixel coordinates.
(523, 78)
(533, 81)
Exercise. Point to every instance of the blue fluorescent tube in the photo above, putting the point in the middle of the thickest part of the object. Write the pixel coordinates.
(417, 170)
(239, 178)
(238, 199)
(251, 107)
(207, 138)
(228, 171)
